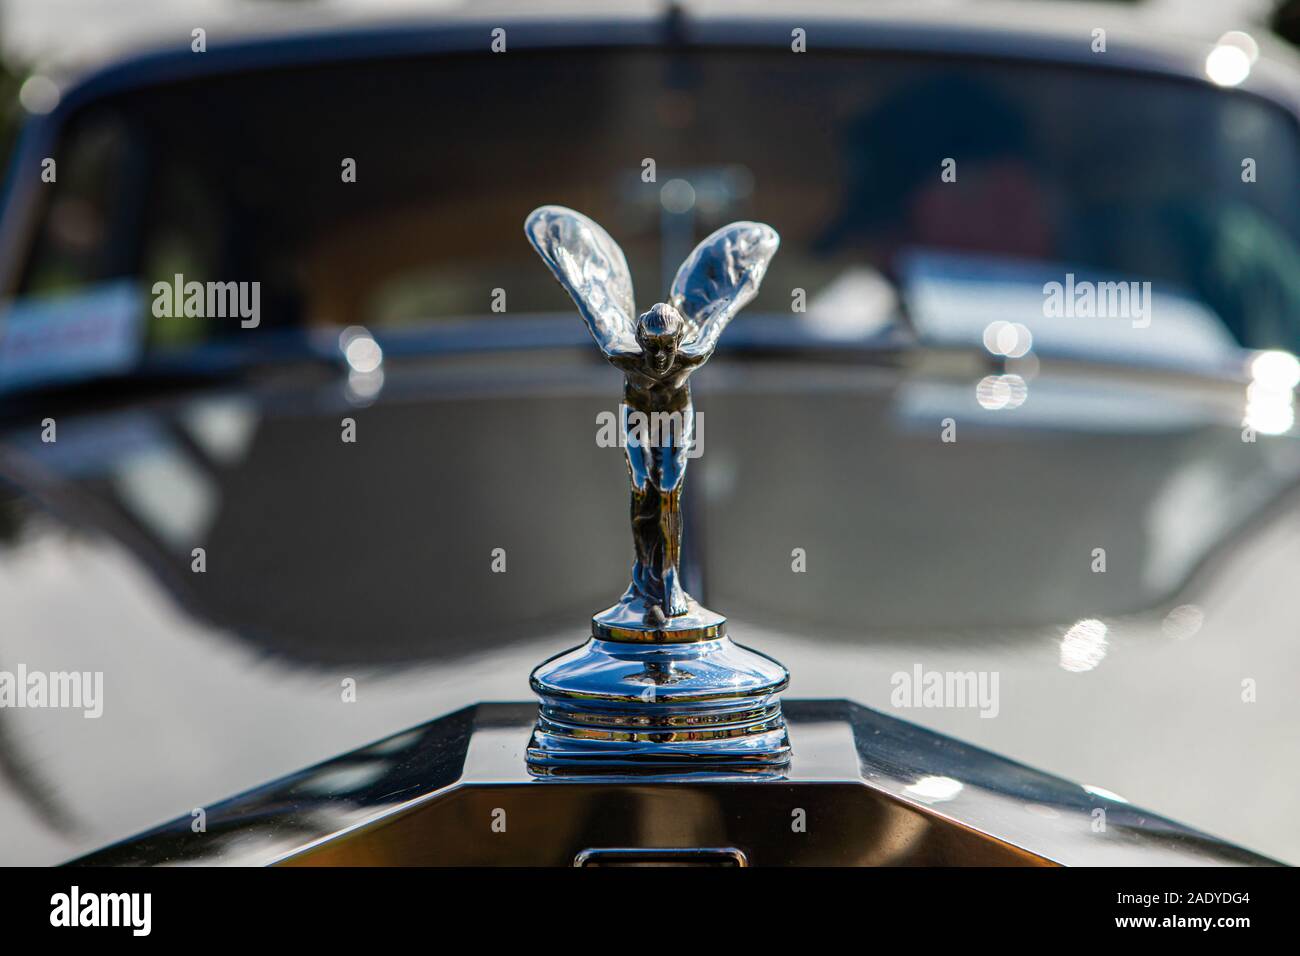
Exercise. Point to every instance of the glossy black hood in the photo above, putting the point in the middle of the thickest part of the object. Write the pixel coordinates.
(381, 550)
(373, 561)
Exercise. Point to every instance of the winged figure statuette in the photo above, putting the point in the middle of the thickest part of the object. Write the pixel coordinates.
(657, 351)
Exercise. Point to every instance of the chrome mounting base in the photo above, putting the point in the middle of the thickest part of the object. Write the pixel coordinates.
(671, 700)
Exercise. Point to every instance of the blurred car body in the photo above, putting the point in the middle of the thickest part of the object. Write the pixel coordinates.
(328, 562)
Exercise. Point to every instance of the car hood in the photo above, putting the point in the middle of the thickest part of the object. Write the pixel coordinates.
(1109, 554)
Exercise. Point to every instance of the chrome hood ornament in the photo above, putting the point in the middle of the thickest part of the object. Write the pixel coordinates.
(660, 685)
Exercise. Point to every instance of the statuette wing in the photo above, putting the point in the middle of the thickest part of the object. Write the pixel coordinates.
(592, 268)
(719, 278)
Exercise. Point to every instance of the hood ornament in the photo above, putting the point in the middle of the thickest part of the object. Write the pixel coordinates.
(660, 685)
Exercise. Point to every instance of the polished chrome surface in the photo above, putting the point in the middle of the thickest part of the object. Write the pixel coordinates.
(862, 788)
(660, 685)
(634, 706)
(635, 856)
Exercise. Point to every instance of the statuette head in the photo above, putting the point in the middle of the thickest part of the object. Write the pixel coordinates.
(659, 333)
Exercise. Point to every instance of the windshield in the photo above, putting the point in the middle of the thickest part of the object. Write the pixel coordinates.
(936, 194)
